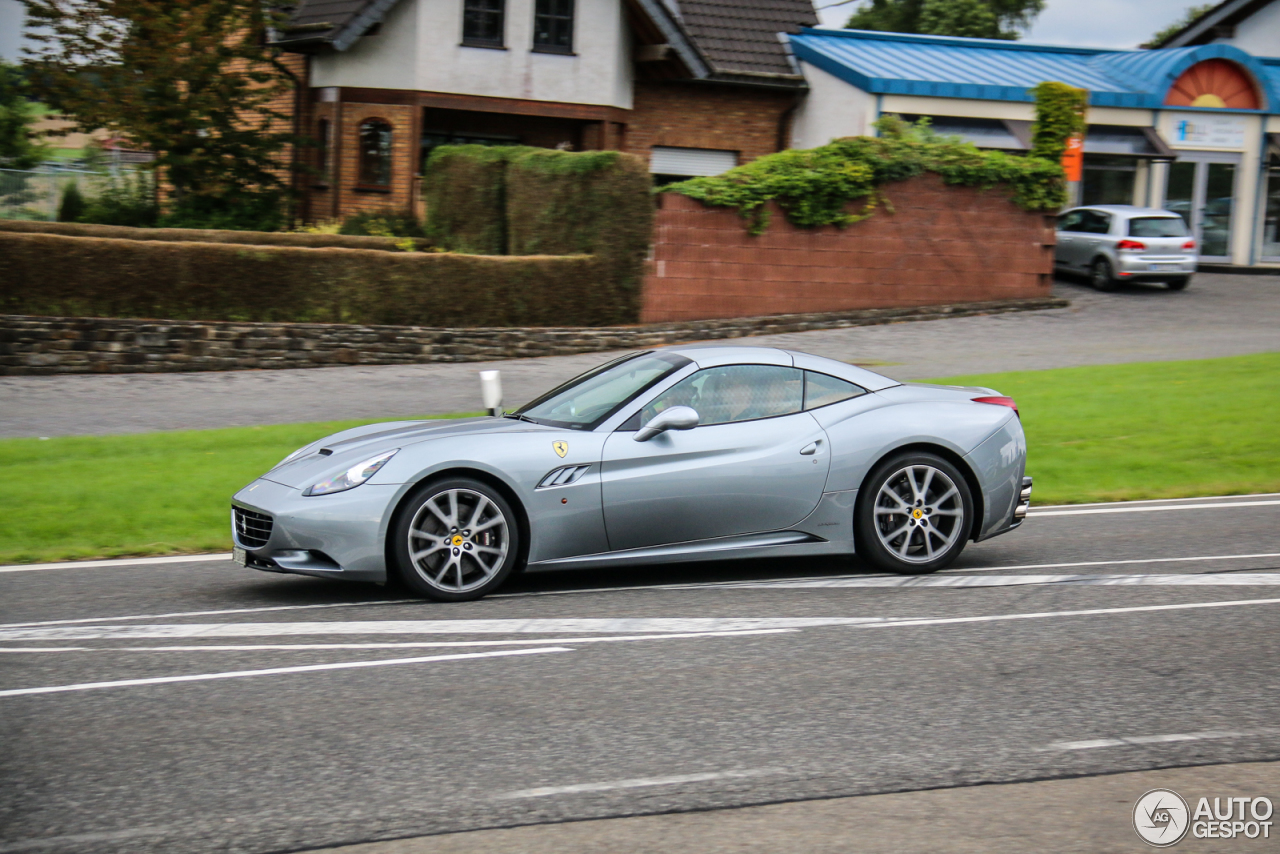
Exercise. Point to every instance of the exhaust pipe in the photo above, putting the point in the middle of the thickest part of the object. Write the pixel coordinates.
(1024, 501)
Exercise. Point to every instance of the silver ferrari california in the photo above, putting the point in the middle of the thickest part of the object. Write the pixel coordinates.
(683, 454)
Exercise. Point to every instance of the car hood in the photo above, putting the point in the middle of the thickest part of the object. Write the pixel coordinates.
(342, 450)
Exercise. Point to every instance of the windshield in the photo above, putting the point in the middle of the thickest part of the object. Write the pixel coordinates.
(1157, 226)
(585, 401)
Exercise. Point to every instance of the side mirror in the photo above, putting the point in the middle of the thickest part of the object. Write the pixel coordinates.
(675, 418)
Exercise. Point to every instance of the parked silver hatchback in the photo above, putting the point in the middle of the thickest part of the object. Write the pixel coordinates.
(1123, 243)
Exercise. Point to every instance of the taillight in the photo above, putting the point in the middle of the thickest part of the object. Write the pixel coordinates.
(1131, 244)
(1190, 244)
(999, 401)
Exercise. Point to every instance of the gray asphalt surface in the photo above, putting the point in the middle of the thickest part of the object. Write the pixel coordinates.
(940, 695)
(1219, 315)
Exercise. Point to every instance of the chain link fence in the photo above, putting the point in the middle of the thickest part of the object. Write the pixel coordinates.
(36, 193)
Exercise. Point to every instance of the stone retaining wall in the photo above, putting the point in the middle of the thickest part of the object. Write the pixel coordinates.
(57, 345)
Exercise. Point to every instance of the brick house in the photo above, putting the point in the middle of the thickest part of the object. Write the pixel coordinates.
(693, 86)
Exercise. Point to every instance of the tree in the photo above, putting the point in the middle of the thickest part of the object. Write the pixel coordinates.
(19, 146)
(188, 80)
(1190, 14)
(989, 19)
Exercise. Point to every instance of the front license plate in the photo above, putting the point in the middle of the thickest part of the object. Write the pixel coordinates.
(240, 556)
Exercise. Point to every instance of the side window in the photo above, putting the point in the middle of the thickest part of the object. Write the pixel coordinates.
(822, 390)
(1096, 222)
(734, 393)
(482, 22)
(1071, 221)
(375, 153)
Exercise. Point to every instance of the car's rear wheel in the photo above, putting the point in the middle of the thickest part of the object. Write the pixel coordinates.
(1179, 284)
(914, 514)
(455, 540)
(1101, 277)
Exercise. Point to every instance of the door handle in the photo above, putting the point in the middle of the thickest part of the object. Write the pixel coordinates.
(809, 449)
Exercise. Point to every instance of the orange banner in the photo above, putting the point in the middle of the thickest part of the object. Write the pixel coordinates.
(1073, 158)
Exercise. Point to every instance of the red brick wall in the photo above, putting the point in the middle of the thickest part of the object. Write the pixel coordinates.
(684, 115)
(939, 245)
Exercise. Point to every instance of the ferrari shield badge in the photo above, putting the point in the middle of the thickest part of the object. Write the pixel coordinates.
(561, 448)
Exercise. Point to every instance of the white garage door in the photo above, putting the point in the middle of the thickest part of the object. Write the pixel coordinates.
(691, 161)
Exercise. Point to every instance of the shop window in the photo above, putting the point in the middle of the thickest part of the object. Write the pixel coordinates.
(553, 26)
(1108, 180)
(1271, 222)
(482, 22)
(375, 153)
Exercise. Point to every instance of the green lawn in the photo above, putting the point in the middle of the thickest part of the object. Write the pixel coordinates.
(139, 494)
(1150, 430)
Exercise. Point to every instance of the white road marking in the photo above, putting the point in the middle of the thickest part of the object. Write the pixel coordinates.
(1113, 562)
(1184, 580)
(711, 585)
(1044, 615)
(1249, 495)
(215, 613)
(1095, 743)
(121, 561)
(288, 647)
(634, 625)
(637, 783)
(1148, 509)
(275, 671)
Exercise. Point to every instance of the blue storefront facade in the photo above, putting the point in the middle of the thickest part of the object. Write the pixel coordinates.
(1194, 129)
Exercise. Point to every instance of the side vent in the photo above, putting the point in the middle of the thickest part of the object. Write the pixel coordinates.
(563, 476)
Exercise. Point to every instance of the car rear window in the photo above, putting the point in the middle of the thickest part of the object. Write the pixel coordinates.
(1157, 226)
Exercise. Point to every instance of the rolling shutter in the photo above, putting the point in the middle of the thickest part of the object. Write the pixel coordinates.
(691, 161)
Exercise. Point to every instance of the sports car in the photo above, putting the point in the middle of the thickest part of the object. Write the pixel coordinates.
(687, 453)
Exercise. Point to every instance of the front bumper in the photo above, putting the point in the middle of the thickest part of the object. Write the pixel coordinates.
(327, 536)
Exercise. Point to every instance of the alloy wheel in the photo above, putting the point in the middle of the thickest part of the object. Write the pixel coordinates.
(458, 540)
(918, 513)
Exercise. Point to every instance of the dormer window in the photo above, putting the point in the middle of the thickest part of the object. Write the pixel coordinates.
(482, 22)
(553, 26)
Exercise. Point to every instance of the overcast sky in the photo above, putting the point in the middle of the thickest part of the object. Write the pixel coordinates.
(1083, 23)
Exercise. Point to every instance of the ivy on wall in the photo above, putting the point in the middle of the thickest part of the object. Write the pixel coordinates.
(1060, 111)
(815, 186)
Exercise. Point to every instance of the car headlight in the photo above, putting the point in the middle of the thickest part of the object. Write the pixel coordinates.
(352, 477)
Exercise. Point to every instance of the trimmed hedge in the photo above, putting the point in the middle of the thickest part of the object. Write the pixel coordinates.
(199, 235)
(47, 274)
(464, 187)
(593, 202)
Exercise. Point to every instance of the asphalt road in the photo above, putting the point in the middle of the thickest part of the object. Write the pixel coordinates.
(1219, 315)
(312, 713)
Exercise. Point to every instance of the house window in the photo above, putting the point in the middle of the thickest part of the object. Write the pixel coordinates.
(375, 153)
(1108, 180)
(482, 22)
(553, 26)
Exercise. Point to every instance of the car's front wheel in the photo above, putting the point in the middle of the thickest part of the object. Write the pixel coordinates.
(1101, 277)
(914, 514)
(455, 540)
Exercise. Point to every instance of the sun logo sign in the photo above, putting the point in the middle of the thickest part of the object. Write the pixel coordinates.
(1160, 817)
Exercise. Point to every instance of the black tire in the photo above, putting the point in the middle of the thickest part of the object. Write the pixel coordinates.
(1179, 284)
(1100, 276)
(911, 556)
(454, 563)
